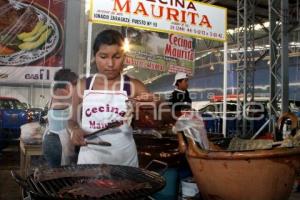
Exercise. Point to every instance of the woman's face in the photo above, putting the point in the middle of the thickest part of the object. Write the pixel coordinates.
(109, 60)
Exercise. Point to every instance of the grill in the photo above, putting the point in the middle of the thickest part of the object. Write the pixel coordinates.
(47, 184)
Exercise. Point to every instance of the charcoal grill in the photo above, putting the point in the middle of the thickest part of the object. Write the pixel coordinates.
(48, 182)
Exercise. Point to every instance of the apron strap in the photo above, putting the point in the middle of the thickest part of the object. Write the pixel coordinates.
(122, 83)
(50, 103)
(92, 82)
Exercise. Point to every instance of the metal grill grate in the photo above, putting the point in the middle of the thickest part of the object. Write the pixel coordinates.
(48, 189)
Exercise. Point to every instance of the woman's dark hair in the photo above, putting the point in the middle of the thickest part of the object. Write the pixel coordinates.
(62, 77)
(108, 37)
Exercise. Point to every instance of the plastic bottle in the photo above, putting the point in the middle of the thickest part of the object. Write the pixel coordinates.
(287, 128)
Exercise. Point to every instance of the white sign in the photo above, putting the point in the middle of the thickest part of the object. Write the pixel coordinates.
(174, 16)
(160, 51)
(27, 75)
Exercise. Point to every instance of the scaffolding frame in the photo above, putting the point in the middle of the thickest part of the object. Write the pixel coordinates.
(279, 41)
(245, 57)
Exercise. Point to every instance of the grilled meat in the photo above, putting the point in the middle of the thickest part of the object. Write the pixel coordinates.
(72, 182)
(30, 19)
(14, 21)
(56, 173)
(97, 188)
(8, 15)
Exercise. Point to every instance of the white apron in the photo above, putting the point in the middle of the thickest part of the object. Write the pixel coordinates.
(100, 107)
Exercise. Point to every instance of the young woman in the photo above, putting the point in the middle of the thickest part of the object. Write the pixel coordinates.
(57, 147)
(101, 99)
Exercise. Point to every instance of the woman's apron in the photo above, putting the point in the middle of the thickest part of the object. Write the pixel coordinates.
(100, 107)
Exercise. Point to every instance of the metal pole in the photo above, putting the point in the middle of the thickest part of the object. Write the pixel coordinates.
(31, 95)
(273, 62)
(89, 46)
(245, 64)
(72, 38)
(224, 124)
(285, 56)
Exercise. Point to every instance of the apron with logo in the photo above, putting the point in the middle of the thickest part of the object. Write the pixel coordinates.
(100, 107)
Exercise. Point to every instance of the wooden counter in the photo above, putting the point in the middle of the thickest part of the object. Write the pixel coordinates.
(26, 151)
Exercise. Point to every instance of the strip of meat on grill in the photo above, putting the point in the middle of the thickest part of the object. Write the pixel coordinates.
(97, 188)
(56, 173)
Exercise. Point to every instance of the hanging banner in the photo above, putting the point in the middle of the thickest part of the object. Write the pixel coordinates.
(30, 75)
(160, 51)
(31, 40)
(192, 18)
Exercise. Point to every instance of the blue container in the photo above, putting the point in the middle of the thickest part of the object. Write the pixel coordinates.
(169, 192)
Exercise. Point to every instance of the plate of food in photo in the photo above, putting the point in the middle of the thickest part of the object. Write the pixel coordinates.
(27, 33)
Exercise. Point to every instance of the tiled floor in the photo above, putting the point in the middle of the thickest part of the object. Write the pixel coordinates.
(9, 160)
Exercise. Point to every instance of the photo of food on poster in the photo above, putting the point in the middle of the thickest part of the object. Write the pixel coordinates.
(160, 51)
(31, 39)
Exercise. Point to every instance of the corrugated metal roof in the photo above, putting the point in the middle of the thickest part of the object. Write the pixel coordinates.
(261, 9)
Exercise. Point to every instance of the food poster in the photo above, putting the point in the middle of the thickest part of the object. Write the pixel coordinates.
(31, 40)
(160, 51)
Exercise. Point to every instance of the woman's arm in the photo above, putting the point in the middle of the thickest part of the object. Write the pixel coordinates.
(73, 123)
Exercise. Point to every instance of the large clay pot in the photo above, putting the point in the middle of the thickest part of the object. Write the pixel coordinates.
(244, 175)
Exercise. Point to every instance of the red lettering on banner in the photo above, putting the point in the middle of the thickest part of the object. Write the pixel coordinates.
(175, 69)
(118, 7)
(180, 41)
(179, 53)
(205, 21)
(183, 20)
(141, 9)
(193, 17)
(161, 9)
(177, 3)
(143, 64)
(171, 13)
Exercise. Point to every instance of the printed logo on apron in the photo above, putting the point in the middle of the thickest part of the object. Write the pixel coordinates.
(101, 107)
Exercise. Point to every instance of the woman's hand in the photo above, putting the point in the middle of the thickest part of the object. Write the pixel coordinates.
(77, 136)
